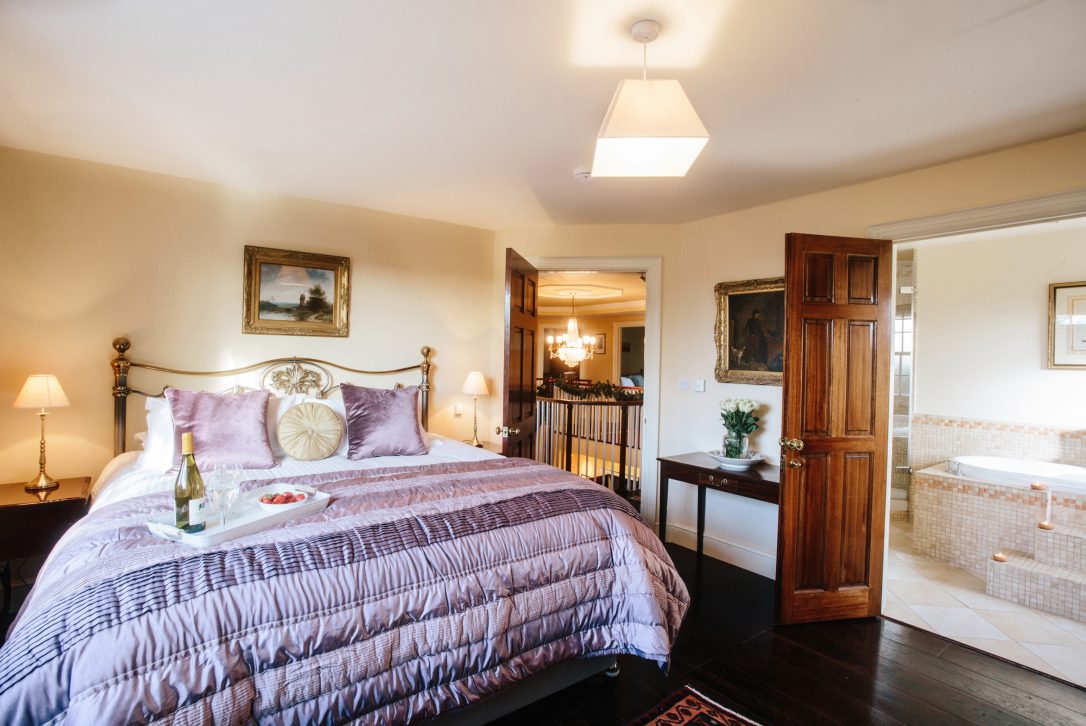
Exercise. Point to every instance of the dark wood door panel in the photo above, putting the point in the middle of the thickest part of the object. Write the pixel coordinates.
(836, 403)
(860, 404)
(859, 475)
(817, 354)
(818, 278)
(862, 276)
(810, 501)
(518, 393)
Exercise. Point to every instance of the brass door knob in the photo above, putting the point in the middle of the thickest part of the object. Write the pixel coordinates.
(793, 444)
(795, 463)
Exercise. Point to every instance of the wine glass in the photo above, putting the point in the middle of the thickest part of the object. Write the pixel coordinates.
(222, 488)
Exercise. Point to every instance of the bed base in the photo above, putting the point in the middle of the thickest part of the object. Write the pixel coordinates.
(530, 690)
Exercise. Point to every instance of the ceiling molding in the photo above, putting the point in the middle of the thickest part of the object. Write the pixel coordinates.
(1045, 208)
(630, 306)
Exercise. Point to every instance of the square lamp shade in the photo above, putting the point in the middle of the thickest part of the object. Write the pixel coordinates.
(41, 391)
(651, 129)
(475, 384)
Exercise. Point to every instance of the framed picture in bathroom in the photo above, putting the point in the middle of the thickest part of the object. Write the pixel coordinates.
(1067, 325)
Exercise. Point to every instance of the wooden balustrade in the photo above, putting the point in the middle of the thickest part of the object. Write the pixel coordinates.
(596, 439)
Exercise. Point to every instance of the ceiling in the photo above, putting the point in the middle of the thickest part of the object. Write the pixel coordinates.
(597, 293)
(478, 111)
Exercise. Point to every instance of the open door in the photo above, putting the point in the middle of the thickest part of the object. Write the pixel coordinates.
(518, 391)
(834, 436)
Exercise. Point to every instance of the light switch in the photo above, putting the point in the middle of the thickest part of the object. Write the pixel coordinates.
(699, 385)
(458, 409)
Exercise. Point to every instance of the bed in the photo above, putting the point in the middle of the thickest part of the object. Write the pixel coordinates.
(454, 584)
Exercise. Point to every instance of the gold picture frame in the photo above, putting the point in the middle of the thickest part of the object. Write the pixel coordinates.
(1066, 337)
(750, 331)
(273, 278)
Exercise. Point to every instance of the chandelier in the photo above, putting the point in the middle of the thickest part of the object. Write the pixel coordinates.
(571, 348)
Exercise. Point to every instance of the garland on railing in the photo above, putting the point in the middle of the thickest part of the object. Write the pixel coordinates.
(603, 389)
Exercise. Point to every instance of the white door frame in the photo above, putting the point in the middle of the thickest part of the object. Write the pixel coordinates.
(650, 432)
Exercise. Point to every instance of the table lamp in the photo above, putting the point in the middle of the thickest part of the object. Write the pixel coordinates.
(41, 391)
(475, 386)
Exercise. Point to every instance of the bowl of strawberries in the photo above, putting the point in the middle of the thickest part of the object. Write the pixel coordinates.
(275, 501)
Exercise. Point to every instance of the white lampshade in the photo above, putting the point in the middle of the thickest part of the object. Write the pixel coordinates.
(651, 129)
(475, 384)
(41, 391)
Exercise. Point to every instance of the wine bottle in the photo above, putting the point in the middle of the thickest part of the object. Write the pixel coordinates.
(181, 491)
(193, 483)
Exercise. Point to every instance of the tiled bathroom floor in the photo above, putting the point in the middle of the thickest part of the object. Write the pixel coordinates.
(952, 602)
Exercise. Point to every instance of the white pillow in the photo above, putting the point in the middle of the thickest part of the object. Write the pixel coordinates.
(277, 406)
(158, 445)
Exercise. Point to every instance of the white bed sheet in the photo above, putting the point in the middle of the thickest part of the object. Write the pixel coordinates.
(121, 479)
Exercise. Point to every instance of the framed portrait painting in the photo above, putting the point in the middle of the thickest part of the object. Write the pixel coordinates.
(600, 348)
(296, 293)
(1067, 325)
(750, 331)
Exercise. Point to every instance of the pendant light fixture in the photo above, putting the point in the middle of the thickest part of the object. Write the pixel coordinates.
(651, 128)
(571, 348)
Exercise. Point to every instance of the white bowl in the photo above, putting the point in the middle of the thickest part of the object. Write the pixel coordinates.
(729, 463)
(279, 489)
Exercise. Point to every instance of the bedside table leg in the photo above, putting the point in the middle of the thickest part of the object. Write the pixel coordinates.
(5, 580)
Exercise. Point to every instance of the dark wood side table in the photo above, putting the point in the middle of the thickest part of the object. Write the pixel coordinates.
(32, 522)
(761, 482)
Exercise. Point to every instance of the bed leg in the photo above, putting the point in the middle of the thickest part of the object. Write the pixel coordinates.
(613, 671)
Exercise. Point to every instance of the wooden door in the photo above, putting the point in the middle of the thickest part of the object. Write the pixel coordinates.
(518, 392)
(834, 436)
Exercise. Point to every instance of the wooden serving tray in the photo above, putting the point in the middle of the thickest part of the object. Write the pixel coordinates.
(247, 517)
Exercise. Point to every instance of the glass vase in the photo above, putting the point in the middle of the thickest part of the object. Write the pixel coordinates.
(736, 445)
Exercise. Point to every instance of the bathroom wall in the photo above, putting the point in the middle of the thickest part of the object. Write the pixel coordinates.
(981, 381)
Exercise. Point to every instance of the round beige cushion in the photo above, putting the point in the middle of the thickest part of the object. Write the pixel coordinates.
(309, 431)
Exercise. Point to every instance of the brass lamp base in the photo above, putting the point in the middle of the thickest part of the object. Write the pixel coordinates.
(42, 482)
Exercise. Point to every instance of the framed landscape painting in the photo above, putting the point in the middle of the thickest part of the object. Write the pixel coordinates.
(750, 331)
(296, 293)
(1067, 325)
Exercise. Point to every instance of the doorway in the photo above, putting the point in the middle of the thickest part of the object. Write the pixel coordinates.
(650, 268)
(965, 556)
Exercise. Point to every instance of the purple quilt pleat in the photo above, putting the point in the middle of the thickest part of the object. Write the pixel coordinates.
(418, 590)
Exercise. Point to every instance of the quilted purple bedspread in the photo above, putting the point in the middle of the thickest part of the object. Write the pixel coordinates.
(417, 591)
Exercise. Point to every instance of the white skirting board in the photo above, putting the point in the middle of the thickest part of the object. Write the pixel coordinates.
(734, 553)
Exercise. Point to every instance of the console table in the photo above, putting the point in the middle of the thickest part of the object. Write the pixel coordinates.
(761, 482)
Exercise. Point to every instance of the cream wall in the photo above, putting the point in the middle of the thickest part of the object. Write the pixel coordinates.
(982, 329)
(92, 251)
(750, 244)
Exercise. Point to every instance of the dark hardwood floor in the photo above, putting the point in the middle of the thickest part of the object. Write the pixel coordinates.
(870, 671)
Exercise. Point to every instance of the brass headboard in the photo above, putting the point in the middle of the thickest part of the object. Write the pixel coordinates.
(280, 375)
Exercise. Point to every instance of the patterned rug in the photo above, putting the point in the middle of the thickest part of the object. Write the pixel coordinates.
(690, 707)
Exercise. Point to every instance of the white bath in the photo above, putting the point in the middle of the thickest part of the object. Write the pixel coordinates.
(1020, 472)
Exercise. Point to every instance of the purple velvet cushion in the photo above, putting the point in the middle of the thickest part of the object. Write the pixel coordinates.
(227, 428)
(382, 422)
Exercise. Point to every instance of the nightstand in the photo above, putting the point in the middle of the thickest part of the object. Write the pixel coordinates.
(32, 522)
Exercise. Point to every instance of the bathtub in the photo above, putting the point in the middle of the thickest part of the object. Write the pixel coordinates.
(1020, 472)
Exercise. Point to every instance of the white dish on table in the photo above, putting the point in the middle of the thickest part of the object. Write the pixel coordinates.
(245, 518)
(737, 464)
